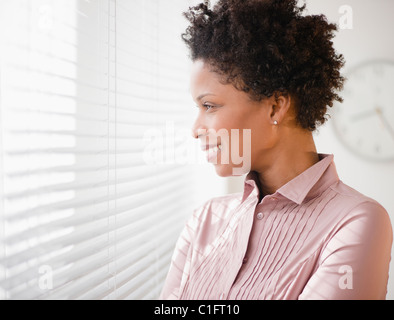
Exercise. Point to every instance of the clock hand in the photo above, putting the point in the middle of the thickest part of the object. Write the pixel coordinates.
(386, 124)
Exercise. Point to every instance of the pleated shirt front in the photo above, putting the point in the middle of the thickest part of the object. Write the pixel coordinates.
(315, 238)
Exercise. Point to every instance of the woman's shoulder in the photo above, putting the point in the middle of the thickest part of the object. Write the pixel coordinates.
(355, 200)
(357, 208)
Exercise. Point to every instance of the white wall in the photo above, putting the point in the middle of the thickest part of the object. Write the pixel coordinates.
(370, 39)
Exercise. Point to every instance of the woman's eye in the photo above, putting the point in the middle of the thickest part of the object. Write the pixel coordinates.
(206, 106)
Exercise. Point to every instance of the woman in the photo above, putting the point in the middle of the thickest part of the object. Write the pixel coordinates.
(296, 231)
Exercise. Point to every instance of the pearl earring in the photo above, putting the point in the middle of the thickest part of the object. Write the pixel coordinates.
(275, 122)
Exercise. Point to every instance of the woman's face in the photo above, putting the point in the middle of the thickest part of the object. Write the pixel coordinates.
(236, 132)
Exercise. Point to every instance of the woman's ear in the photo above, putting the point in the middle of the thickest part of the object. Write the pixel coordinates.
(280, 106)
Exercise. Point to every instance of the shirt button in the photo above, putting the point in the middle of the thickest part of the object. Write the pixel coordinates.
(259, 216)
(274, 199)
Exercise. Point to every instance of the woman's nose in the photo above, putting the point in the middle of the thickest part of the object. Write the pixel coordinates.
(198, 128)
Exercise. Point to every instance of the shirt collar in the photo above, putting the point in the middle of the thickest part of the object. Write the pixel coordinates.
(307, 185)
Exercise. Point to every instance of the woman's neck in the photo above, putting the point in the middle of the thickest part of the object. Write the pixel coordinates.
(291, 156)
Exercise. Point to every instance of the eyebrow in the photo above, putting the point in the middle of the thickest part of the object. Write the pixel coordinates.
(204, 95)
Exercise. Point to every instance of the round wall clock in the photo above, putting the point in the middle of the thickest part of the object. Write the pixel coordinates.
(364, 122)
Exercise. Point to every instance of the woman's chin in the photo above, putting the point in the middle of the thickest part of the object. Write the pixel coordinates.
(223, 170)
(226, 170)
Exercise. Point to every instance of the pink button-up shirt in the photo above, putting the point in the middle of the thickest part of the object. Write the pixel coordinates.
(315, 238)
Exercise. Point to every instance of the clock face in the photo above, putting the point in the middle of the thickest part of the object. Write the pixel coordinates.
(364, 122)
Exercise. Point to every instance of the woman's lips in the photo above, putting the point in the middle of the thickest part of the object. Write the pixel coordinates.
(212, 152)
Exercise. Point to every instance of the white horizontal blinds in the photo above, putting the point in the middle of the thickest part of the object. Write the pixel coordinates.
(38, 65)
(87, 211)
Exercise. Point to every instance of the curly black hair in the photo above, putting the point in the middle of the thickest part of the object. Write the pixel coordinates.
(267, 48)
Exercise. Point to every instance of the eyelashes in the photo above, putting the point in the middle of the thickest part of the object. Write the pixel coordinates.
(207, 106)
